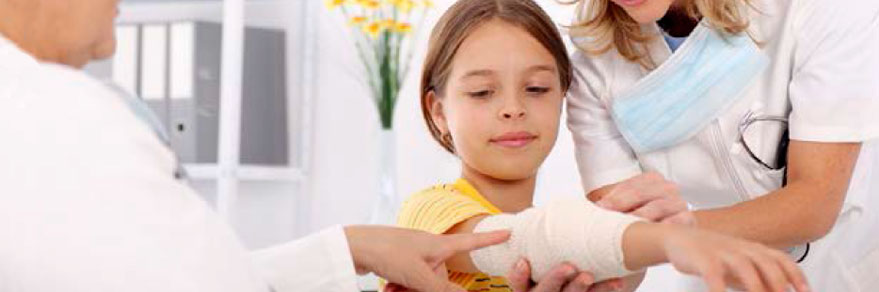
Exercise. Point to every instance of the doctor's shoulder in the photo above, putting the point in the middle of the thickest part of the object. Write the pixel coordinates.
(70, 94)
(593, 71)
(586, 57)
(57, 82)
(67, 100)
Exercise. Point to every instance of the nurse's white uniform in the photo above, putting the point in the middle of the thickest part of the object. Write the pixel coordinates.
(88, 202)
(823, 75)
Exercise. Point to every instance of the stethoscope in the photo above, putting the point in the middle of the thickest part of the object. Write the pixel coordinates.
(799, 252)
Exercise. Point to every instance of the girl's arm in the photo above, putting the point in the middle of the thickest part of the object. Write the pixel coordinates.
(716, 258)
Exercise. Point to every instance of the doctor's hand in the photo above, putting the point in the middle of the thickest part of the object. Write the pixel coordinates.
(411, 258)
(562, 278)
(649, 196)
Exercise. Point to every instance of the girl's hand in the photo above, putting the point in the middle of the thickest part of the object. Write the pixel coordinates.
(722, 260)
(649, 196)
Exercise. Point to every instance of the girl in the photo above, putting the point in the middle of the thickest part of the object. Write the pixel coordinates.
(492, 89)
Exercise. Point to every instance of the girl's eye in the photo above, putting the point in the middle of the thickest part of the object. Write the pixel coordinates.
(480, 94)
(537, 90)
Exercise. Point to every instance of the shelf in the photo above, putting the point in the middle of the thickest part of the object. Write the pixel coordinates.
(245, 172)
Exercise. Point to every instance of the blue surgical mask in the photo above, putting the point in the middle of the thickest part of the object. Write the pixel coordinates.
(706, 75)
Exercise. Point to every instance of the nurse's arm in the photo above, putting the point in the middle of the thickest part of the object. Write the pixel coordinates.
(805, 210)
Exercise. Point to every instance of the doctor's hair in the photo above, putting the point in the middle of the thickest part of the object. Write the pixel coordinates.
(456, 25)
(608, 26)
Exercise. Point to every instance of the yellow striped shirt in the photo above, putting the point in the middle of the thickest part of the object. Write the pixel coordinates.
(438, 209)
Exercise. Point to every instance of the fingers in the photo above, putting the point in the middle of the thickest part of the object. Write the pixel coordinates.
(683, 218)
(458, 243)
(519, 278)
(626, 197)
(743, 269)
(777, 269)
(769, 269)
(711, 269)
(557, 278)
(660, 209)
(792, 272)
(638, 191)
(394, 288)
(607, 286)
(581, 283)
(422, 278)
(713, 277)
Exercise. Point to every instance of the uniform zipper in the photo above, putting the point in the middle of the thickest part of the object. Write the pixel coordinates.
(721, 152)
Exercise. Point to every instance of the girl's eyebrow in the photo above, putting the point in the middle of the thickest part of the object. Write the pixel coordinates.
(474, 73)
(538, 68)
(487, 72)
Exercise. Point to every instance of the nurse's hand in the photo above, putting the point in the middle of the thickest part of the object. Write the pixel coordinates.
(649, 196)
(563, 278)
(412, 258)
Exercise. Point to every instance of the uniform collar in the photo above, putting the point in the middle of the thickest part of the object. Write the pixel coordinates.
(12, 56)
(466, 189)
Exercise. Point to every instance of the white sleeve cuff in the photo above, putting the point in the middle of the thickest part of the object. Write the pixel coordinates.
(320, 262)
(817, 133)
(595, 180)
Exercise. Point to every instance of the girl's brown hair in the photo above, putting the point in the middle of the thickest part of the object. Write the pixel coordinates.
(608, 26)
(459, 21)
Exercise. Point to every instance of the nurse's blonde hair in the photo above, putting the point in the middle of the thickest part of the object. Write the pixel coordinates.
(608, 26)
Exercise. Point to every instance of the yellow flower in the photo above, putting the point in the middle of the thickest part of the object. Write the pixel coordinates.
(333, 4)
(403, 27)
(404, 5)
(372, 29)
(357, 20)
(428, 3)
(388, 24)
(369, 4)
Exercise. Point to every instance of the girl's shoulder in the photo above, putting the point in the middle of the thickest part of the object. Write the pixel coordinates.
(438, 208)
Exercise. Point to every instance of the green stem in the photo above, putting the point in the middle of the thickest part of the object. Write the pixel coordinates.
(389, 83)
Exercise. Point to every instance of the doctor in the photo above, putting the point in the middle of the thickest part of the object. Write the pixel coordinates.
(89, 202)
(765, 113)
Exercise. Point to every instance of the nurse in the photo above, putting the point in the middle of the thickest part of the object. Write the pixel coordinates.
(89, 202)
(764, 113)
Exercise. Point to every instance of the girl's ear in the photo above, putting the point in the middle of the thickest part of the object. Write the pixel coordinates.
(436, 112)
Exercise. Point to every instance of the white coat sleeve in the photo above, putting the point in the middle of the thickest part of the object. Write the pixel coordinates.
(320, 262)
(603, 155)
(834, 89)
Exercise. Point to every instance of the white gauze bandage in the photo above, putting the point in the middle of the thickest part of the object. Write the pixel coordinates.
(574, 231)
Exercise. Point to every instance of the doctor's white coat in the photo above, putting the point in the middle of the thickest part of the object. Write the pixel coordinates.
(88, 202)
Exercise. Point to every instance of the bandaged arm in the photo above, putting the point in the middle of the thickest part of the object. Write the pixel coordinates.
(608, 244)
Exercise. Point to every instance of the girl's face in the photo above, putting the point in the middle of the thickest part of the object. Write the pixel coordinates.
(645, 11)
(502, 102)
